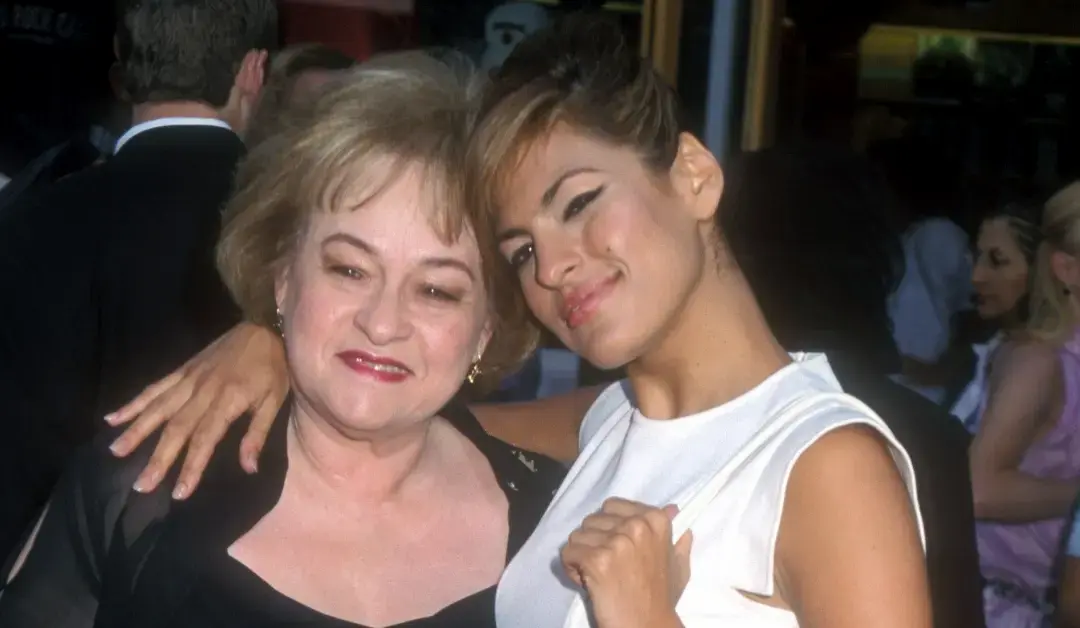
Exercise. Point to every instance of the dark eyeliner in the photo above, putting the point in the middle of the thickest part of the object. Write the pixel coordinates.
(581, 201)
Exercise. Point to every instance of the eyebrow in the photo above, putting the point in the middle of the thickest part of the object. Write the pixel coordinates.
(545, 201)
(549, 195)
(433, 262)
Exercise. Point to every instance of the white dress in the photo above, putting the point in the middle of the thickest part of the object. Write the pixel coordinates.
(624, 454)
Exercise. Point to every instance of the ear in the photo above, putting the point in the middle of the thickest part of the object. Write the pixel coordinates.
(697, 177)
(1066, 269)
(252, 73)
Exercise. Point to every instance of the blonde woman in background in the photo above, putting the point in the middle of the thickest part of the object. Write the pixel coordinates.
(1025, 459)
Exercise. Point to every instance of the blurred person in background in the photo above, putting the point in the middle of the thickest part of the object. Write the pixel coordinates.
(295, 75)
(1025, 459)
(1002, 274)
(810, 227)
(936, 284)
(113, 266)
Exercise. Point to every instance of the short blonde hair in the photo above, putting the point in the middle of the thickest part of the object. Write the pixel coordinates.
(1052, 316)
(407, 109)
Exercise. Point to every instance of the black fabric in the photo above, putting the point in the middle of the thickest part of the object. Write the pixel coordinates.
(109, 557)
(110, 283)
(938, 446)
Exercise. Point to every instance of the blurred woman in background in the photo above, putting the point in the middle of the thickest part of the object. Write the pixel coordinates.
(1025, 459)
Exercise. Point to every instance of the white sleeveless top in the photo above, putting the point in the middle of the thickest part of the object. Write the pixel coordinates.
(754, 439)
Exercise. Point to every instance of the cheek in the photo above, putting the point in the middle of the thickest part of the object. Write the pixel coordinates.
(449, 340)
(316, 314)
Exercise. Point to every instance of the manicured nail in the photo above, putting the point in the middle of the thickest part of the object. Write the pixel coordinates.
(180, 492)
(118, 447)
(110, 417)
(143, 483)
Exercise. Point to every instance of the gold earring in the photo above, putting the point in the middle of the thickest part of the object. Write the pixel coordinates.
(474, 372)
(279, 324)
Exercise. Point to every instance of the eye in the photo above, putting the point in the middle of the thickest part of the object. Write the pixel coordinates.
(438, 294)
(349, 272)
(580, 202)
(521, 256)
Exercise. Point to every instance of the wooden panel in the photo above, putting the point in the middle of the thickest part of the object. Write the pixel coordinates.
(354, 30)
(759, 119)
(661, 23)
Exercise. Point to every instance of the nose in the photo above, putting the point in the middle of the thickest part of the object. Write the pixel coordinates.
(556, 257)
(979, 274)
(384, 319)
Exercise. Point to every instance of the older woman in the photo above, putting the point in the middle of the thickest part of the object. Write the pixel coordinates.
(380, 501)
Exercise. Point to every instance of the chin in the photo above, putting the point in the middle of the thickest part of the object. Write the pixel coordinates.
(605, 351)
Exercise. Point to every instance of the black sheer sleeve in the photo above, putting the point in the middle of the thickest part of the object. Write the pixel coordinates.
(92, 509)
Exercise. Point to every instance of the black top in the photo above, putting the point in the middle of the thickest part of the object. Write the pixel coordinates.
(109, 557)
(111, 283)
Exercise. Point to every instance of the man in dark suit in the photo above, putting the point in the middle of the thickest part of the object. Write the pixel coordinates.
(109, 274)
(809, 227)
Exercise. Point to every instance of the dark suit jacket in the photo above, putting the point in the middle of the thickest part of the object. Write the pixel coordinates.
(938, 446)
(109, 283)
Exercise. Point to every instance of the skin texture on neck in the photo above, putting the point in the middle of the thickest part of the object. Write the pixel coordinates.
(376, 469)
(717, 348)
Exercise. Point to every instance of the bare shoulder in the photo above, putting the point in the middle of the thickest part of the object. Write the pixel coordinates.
(1027, 356)
(1029, 366)
(850, 548)
(840, 456)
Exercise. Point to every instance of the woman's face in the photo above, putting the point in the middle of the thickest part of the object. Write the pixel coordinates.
(381, 317)
(1001, 271)
(607, 252)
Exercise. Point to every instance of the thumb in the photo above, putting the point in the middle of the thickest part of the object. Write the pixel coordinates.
(683, 546)
(682, 562)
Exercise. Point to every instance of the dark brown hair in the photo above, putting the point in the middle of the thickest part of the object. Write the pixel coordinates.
(580, 71)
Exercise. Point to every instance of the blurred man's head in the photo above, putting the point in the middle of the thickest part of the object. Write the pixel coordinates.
(211, 52)
(810, 228)
(297, 74)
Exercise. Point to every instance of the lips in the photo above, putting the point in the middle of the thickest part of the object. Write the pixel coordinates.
(580, 305)
(379, 368)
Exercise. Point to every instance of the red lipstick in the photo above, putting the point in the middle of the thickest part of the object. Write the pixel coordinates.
(581, 304)
(379, 368)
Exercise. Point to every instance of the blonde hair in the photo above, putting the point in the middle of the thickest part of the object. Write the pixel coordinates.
(401, 111)
(1052, 315)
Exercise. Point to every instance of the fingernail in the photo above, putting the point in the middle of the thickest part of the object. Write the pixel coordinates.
(110, 417)
(252, 464)
(118, 447)
(180, 492)
(143, 483)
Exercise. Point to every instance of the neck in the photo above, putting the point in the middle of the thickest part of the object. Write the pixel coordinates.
(368, 468)
(718, 348)
(148, 112)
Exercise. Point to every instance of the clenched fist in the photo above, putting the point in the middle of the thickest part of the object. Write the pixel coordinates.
(624, 559)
